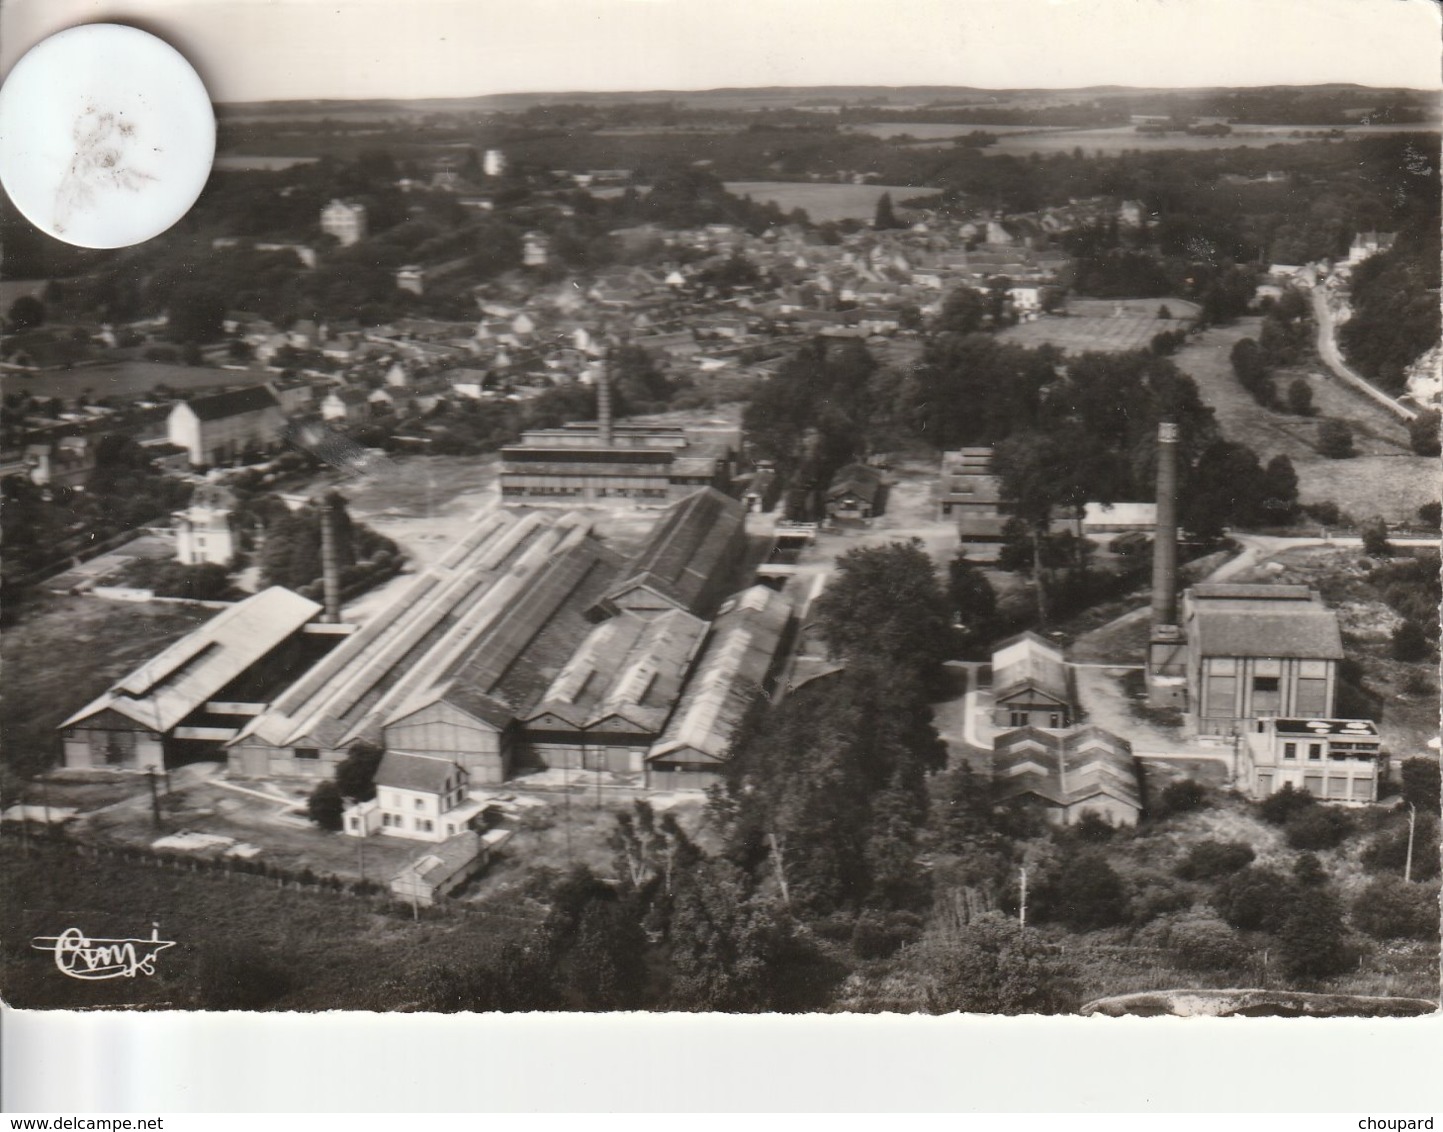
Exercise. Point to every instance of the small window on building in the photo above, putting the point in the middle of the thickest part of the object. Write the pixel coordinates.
(1315, 752)
(1055, 720)
(308, 752)
(450, 829)
(386, 819)
(1019, 719)
(420, 803)
(1265, 683)
(1290, 750)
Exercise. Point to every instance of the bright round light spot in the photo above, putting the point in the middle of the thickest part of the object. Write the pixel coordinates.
(106, 135)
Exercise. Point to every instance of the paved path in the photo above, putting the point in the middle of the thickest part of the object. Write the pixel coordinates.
(1333, 359)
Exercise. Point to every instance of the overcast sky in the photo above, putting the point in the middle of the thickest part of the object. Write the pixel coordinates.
(284, 49)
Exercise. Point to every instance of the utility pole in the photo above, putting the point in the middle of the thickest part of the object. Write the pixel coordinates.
(1408, 861)
(361, 855)
(154, 797)
(1022, 907)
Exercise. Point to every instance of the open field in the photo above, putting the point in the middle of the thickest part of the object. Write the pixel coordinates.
(825, 201)
(1118, 139)
(936, 131)
(1102, 324)
(304, 947)
(124, 379)
(1385, 478)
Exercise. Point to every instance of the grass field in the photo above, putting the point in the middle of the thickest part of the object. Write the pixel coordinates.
(65, 652)
(1384, 479)
(1117, 139)
(1096, 324)
(124, 379)
(825, 201)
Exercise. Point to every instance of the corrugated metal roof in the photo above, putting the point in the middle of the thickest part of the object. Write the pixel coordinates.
(736, 659)
(1066, 769)
(1028, 660)
(687, 549)
(629, 665)
(166, 689)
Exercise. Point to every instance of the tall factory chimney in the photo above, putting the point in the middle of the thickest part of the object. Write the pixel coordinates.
(331, 505)
(1164, 540)
(1166, 653)
(603, 407)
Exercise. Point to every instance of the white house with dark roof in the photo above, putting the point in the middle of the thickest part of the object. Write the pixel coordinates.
(221, 427)
(1257, 652)
(420, 797)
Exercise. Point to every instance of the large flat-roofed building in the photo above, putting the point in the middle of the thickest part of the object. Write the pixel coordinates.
(688, 560)
(1069, 774)
(737, 664)
(613, 698)
(1031, 685)
(196, 694)
(345, 220)
(429, 674)
(1339, 760)
(584, 462)
(1258, 652)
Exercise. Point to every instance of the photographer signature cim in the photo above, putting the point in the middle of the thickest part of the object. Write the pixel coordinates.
(81, 957)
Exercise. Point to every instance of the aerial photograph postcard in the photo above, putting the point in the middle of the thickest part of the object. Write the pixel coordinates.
(748, 507)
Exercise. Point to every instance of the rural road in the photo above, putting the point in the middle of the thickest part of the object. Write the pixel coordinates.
(1333, 358)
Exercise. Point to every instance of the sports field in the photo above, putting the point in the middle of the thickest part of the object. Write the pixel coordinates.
(1103, 324)
(825, 201)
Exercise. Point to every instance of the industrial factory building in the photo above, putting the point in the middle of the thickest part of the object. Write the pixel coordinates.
(1258, 662)
(530, 644)
(199, 692)
(600, 461)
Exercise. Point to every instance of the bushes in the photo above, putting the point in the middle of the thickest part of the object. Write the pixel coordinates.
(991, 966)
(1409, 643)
(1312, 939)
(1300, 398)
(1335, 440)
(1423, 433)
(325, 806)
(1389, 908)
(1200, 943)
(1209, 859)
(1319, 827)
(1255, 898)
(1182, 798)
(1084, 892)
(1387, 851)
(1277, 808)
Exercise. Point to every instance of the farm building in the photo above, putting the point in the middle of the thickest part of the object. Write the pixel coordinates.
(438, 670)
(1340, 760)
(612, 700)
(736, 665)
(1031, 686)
(197, 693)
(223, 427)
(687, 562)
(1258, 651)
(417, 796)
(440, 872)
(1070, 774)
(854, 493)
